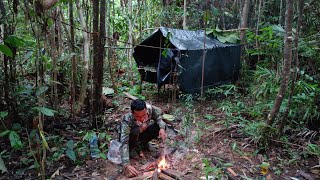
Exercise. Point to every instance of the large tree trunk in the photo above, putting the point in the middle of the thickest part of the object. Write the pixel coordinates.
(98, 59)
(96, 98)
(244, 20)
(74, 63)
(85, 58)
(295, 65)
(287, 64)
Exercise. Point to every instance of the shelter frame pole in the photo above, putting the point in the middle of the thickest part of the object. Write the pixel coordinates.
(158, 66)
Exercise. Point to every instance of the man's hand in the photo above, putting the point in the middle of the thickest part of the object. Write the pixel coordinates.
(130, 171)
(143, 127)
(163, 134)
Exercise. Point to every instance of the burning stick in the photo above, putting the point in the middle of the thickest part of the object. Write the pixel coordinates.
(155, 174)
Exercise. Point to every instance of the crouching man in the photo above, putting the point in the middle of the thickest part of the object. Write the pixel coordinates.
(143, 124)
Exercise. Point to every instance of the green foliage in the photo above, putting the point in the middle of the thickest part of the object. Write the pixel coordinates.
(266, 83)
(45, 111)
(270, 39)
(313, 149)
(224, 37)
(70, 152)
(15, 140)
(3, 167)
(225, 89)
(6, 50)
(3, 114)
(209, 117)
(15, 41)
(215, 171)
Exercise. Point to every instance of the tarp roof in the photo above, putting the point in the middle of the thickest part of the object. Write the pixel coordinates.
(189, 40)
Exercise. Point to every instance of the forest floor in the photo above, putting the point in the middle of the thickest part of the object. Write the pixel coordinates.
(206, 147)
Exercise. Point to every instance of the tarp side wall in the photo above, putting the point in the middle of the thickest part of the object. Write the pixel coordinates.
(221, 66)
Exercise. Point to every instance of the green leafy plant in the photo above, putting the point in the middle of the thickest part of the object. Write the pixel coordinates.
(209, 117)
(313, 149)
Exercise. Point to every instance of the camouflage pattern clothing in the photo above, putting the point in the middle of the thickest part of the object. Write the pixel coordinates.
(128, 122)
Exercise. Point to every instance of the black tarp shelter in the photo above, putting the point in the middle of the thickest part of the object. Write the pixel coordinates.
(181, 51)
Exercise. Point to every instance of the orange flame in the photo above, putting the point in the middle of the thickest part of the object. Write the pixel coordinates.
(163, 164)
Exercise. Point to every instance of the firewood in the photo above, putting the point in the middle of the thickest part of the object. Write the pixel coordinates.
(177, 175)
(165, 177)
(145, 175)
(148, 166)
(173, 173)
(155, 175)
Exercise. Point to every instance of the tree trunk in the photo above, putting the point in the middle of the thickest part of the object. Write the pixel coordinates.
(244, 20)
(130, 38)
(5, 59)
(53, 36)
(184, 24)
(280, 13)
(96, 38)
(223, 11)
(295, 65)
(287, 64)
(47, 4)
(257, 28)
(74, 63)
(85, 71)
(98, 58)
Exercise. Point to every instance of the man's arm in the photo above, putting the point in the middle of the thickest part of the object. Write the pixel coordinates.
(128, 170)
(124, 139)
(157, 115)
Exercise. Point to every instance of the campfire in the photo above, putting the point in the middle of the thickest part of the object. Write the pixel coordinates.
(162, 164)
(159, 169)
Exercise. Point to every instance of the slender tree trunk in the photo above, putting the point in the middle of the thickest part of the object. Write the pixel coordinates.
(184, 24)
(244, 20)
(102, 43)
(295, 65)
(5, 58)
(257, 28)
(203, 57)
(73, 62)
(287, 64)
(223, 11)
(280, 13)
(111, 51)
(130, 38)
(85, 71)
(53, 36)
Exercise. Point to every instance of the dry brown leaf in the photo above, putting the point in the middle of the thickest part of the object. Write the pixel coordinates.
(269, 177)
(232, 172)
(248, 159)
